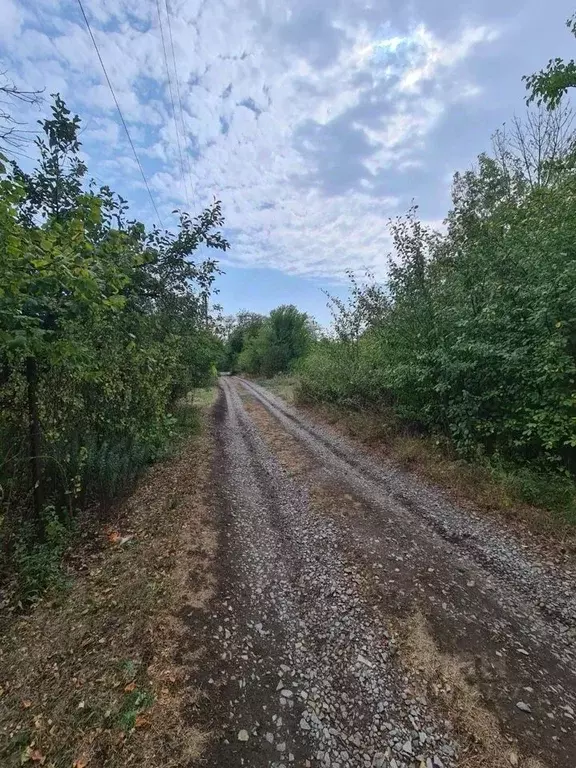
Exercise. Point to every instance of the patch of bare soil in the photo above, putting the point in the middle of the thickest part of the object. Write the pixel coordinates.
(94, 677)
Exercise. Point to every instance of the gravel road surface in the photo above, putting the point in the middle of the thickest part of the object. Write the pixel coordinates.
(363, 620)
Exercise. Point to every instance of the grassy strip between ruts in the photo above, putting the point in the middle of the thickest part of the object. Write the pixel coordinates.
(92, 675)
(542, 506)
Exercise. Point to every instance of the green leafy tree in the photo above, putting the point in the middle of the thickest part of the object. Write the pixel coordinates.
(477, 337)
(366, 307)
(550, 84)
(282, 339)
(286, 338)
(243, 329)
(268, 345)
(103, 326)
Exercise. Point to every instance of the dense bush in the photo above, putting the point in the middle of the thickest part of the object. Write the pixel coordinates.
(269, 345)
(475, 333)
(239, 334)
(102, 329)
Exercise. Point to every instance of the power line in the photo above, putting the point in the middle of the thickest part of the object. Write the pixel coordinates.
(88, 27)
(178, 92)
(10, 151)
(172, 98)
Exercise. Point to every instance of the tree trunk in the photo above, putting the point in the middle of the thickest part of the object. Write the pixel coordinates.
(34, 436)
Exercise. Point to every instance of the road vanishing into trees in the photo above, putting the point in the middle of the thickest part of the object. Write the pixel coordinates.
(364, 620)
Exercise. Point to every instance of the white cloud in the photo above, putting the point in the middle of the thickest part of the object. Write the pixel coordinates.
(11, 20)
(296, 144)
(432, 54)
(102, 129)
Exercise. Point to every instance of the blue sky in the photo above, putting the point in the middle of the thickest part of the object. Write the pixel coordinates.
(313, 121)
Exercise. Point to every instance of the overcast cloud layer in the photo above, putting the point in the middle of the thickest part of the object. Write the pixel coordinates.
(313, 120)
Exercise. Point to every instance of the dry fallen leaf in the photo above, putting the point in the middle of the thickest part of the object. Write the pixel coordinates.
(141, 721)
(114, 537)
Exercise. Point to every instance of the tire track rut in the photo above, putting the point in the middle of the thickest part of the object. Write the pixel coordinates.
(318, 569)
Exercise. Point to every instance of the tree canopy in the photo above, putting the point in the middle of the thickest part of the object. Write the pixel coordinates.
(269, 345)
(102, 327)
(552, 83)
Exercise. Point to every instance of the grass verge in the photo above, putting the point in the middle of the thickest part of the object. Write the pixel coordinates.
(90, 677)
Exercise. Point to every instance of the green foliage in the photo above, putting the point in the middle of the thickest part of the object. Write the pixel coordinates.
(103, 328)
(38, 564)
(271, 345)
(343, 372)
(550, 84)
(475, 334)
(242, 329)
(134, 703)
(552, 491)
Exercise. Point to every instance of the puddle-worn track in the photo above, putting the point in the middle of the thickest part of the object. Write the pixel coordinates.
(325, 557)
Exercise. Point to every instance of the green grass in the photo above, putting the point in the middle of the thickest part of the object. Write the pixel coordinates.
(204, 397)
(133, 703)
(553, 492)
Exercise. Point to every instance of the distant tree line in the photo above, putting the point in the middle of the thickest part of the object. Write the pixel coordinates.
(267, 345)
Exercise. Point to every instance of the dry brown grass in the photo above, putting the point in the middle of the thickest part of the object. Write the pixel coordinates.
(446, 679)
(90, 677)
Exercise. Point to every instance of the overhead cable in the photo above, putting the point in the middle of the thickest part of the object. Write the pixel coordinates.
(88, 27)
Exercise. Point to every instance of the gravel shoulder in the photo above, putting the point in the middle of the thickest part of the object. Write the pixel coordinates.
(362, 620)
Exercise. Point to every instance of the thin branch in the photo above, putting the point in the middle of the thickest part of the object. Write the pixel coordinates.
(12, 134)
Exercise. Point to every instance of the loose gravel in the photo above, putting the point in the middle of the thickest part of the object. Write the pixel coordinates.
(533, 586)
(308, 672)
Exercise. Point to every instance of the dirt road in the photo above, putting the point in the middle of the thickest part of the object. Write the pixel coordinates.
(362, 620)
